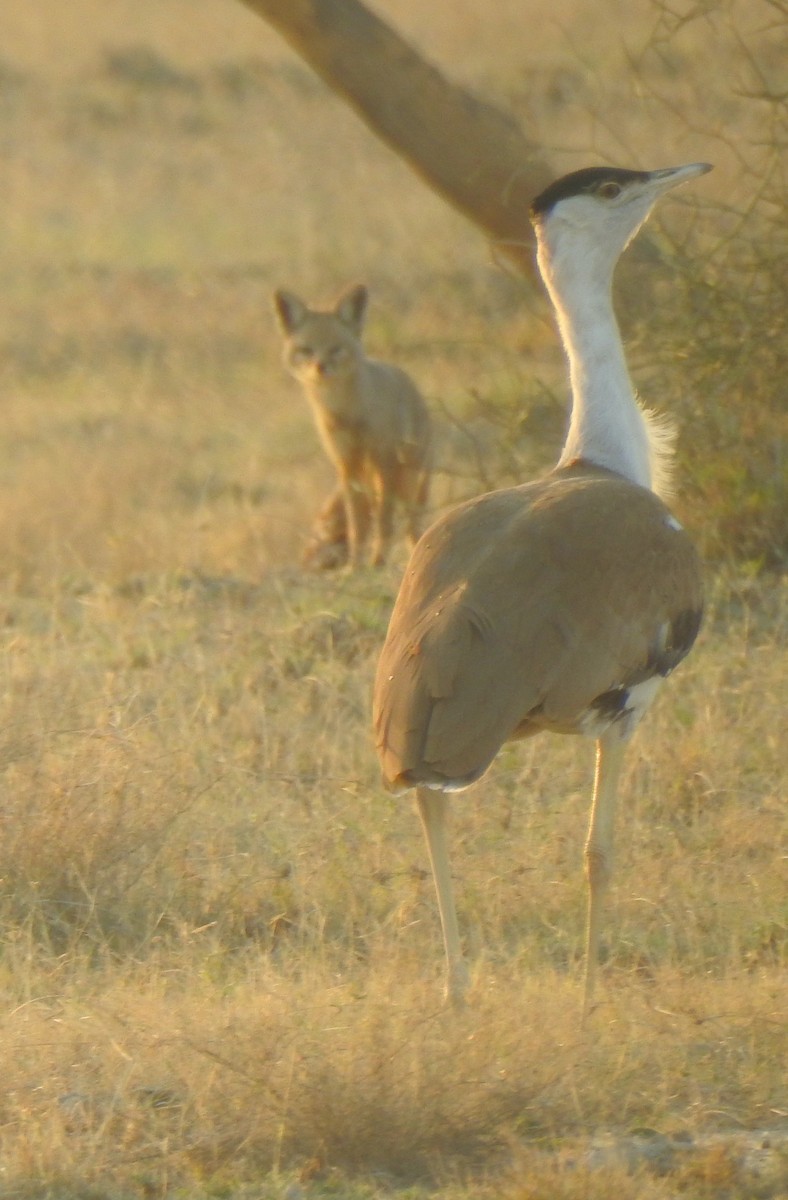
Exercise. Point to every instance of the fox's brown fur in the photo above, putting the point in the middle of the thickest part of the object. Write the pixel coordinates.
(372, 421)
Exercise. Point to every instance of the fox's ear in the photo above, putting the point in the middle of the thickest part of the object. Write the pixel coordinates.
(290, 311)
(351, 306)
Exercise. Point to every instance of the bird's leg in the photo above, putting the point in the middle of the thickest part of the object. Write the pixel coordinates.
(433, 810)
(599, 846)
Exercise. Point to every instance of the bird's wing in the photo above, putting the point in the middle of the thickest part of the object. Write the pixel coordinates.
(525, 606)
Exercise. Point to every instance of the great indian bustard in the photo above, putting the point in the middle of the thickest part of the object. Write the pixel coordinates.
(558, 605)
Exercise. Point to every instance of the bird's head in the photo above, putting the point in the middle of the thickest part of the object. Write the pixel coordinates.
(592, 214)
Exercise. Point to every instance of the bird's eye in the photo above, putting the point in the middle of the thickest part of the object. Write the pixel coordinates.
(609, 190)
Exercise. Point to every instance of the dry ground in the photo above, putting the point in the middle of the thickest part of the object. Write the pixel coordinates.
(220, 962)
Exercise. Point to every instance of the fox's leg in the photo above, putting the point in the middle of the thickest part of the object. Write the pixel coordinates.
(384, 494)
(348, 456)
(331, 521)
(357, 510)
(415, 491)
(327, 546)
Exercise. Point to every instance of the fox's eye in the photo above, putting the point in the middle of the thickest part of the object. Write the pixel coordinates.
(609, 190)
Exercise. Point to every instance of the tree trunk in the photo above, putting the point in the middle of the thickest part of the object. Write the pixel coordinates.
(468, 151)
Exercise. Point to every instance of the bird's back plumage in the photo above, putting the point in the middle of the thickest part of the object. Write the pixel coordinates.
(602, 592)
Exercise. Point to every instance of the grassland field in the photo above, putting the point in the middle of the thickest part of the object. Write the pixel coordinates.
(220, 961)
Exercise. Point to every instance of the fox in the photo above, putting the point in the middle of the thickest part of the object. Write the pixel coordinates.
(373, 423)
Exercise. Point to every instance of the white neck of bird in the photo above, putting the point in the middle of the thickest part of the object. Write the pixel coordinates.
(607, 425)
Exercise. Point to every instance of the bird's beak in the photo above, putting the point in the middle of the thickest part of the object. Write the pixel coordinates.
(670, 177)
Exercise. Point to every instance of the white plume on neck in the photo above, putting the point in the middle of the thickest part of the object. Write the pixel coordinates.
(578, 247)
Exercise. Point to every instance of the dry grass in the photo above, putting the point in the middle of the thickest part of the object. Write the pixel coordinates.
(220, 957)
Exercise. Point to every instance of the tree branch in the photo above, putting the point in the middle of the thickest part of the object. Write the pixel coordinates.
(470, 152)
